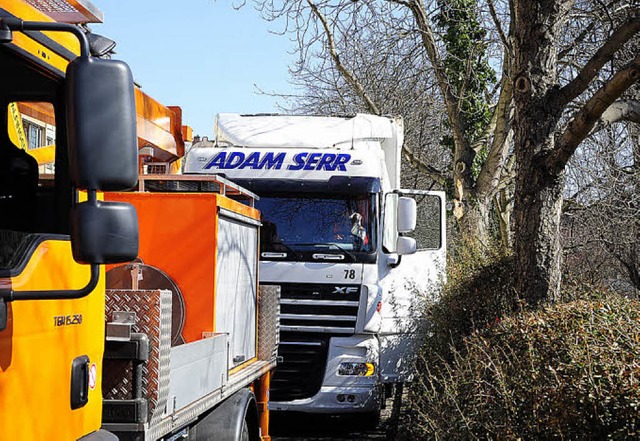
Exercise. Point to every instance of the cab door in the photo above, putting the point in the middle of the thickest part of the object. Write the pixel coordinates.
(411, 282)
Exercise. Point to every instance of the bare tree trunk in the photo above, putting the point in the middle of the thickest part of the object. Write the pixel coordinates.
(472, 214)
(538, 199)
(537, 209)
(474, 224)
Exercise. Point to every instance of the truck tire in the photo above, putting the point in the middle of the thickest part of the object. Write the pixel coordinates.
(236, 419)
(245, 432)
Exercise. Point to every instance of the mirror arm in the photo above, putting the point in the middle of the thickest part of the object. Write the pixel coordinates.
(3, 314)
(15, 24)
(394, 260)
(92, 196)
(9, 295)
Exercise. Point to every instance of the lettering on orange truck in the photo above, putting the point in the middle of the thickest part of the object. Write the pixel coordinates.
(67, 320)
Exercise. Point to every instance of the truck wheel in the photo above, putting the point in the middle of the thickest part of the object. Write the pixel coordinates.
(235, 419)
(246, 436)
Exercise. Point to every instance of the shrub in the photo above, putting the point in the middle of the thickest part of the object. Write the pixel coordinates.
(477, 294)
(568, 371)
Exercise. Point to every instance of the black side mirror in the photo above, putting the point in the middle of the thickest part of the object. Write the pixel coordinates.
(101, 124)
(104, 232)
(103, 155)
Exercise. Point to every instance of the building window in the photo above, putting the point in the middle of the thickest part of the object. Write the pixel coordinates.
(34, 135)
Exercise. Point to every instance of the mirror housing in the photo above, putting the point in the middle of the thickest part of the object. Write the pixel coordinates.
(104, 232)
(101, 124)
(407, 214)
(405, 245)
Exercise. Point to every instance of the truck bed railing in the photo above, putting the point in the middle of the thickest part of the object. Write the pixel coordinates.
(195, 183)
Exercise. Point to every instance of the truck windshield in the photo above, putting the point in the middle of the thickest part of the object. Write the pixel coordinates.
(302, 226)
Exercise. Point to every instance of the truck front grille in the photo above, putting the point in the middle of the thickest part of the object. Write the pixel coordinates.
(319, 308)
(301, 369)
(310, 315)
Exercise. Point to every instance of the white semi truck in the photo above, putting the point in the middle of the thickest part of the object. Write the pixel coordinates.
(339, 237)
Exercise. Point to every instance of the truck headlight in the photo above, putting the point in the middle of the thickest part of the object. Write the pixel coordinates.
(358, 369)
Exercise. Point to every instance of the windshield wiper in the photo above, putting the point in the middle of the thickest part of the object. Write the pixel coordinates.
(286, 247)
(344, 250)
(330, 244)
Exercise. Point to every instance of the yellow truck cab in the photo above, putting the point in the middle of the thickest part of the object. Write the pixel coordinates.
(55, 232)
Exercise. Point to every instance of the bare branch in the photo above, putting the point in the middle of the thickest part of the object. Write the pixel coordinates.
(496, 22)
(428, 41)
(346, 73)
(579, 39)
(402, 2)
(619, 37)
(581, 124)
(508, 175)
(489, 177)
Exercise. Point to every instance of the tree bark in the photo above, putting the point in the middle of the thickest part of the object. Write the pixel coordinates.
(504, 207)
(474, 224)
(538, 200)
(537, 209)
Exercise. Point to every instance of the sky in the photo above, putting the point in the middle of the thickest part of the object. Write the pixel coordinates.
(201, 55)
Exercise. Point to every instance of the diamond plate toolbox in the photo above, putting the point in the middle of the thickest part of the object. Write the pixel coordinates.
(153, 318)
(268, 322)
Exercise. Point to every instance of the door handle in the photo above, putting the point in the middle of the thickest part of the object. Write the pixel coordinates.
(79, 382)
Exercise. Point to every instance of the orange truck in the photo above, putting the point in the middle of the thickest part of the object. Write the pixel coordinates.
(191, 337)
(53, 247)
(129, 304)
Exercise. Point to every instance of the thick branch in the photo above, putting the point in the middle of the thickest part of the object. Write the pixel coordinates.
(508, 175)
(463, 153)
(620, 111)
(623, 110)
(619, 37)
(489, 177)
(432, 172)
(492, 169)
(580, 126)
(346, 73)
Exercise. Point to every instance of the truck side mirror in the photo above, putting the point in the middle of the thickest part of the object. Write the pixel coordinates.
(407, 213)
(104, 232)
(101, 124)
(405, 245)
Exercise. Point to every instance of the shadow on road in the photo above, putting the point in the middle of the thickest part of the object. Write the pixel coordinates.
(296, 426)
(299, 426)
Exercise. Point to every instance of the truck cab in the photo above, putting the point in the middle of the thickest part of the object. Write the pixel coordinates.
(53, 225)
(335, 237)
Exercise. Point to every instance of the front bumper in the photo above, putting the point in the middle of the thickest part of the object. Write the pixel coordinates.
(364, 399)
(343, 393)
